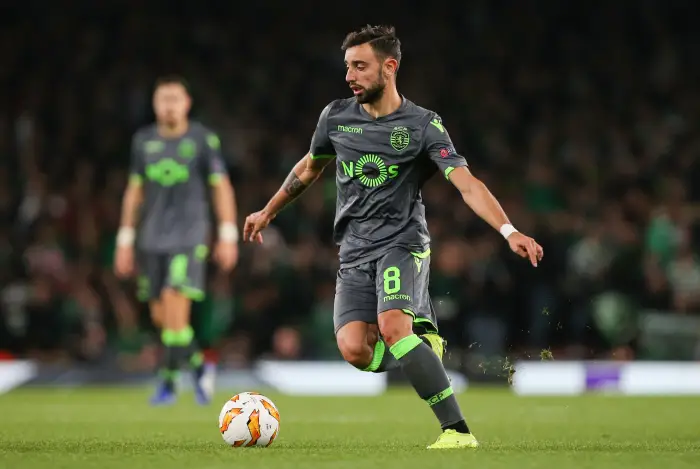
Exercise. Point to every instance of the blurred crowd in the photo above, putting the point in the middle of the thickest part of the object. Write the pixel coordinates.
(582, 118)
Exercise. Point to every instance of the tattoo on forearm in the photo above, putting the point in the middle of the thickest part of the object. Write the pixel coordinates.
(293, 185)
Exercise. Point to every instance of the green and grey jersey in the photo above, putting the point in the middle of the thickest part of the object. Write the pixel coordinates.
(382, 165)
(176, 174)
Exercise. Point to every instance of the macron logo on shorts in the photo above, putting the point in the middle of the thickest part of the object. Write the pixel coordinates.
(398, 296)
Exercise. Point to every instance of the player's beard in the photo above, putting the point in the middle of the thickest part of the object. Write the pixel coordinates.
(172, 121)
(374, 93)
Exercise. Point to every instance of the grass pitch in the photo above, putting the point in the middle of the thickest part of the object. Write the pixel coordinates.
(114, 428)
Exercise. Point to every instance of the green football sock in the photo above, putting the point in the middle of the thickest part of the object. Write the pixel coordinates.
(171, 366)
(382, 360)
(426, 373)
(185, 338)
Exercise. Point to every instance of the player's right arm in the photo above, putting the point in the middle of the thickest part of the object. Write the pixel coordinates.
(131, 202)
(305, 172)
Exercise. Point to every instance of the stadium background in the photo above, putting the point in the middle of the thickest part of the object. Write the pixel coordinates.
(582, 117)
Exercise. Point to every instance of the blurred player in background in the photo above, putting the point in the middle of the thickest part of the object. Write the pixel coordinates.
(386, 149)
(176, 173)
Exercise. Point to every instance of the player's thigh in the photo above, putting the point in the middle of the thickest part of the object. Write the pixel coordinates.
(151, 276)
(403, 278)
(187, 273)
(355, 296)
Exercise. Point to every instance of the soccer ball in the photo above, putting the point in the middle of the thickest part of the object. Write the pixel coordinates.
(249, 419)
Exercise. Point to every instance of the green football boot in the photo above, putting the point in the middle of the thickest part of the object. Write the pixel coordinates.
(451, 439)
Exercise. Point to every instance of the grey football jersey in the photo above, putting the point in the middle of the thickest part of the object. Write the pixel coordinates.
(382, 165)
(176, 174)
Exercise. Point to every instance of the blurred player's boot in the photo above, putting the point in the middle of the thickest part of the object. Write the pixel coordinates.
(451, 439)
(435, 342)
(165, 392)
(204, 379)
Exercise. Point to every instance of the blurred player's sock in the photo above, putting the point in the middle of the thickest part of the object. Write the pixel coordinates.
(196, 358)
(204, 384)
(424, 370)
(382, 360)
(176, 352)
(165, 393)
(174, 355)
(203, 373)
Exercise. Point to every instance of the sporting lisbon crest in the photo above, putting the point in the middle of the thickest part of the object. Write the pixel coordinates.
(399, 138)
(187, 148)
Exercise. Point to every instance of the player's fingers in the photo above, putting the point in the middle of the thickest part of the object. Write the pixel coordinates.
(540, 252)
(257, 234)
(253, 233)
(531, 252)
(247, 228)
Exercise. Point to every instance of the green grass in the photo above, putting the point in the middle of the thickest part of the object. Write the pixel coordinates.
(113, 428)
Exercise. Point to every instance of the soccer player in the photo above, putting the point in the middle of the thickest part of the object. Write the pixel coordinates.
(386, 148)
(166, 215)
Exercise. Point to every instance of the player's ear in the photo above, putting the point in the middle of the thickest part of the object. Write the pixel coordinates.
(391, 65)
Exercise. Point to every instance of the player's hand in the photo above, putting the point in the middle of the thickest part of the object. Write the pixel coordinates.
(526, 247)
(254, 224)
(226, 255)
(124, 261)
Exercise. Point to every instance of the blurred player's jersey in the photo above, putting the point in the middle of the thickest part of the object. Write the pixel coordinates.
(176, 174)
(382, 165)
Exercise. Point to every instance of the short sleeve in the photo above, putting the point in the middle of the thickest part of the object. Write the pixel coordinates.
(137, 164)
(321, 145)
(215, 166)
(440, 149)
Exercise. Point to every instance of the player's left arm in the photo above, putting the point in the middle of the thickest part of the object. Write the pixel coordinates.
(474, 192)
(224, 201)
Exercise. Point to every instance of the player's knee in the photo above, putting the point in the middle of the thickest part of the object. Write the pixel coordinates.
(394, 325)
(372, 335)
(157, 320)
(355, 351)
(156, 309)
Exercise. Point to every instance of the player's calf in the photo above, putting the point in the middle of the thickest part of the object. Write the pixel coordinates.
(423, 368)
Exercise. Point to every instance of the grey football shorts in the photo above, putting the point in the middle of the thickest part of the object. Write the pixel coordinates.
(184, 271)
(397, 280)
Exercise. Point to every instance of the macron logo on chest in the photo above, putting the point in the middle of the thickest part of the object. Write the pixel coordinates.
(349, 129)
